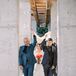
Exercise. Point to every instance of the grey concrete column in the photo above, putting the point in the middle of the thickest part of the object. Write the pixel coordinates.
(67, 41)
(24, 20)
(54, 20)
(8, 38)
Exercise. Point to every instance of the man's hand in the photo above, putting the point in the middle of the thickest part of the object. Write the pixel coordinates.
(21, 67)
(53, 67)
(32, 31)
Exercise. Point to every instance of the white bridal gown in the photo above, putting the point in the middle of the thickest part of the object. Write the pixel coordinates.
(38, 68)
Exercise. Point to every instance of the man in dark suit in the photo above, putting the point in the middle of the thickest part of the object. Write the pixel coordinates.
(50, 57)
(26, 57)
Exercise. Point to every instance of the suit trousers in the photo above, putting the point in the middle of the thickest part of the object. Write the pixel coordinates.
(28, 70)
(47, 70)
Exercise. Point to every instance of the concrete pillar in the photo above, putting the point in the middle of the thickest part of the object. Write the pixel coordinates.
(67, 41)
(54, 20)
(8, 38)
(24, 20)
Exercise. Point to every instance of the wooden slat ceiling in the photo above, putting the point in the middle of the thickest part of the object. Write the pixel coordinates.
(41, 10)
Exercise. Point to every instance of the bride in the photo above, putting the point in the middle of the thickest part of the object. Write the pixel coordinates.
(38, 68)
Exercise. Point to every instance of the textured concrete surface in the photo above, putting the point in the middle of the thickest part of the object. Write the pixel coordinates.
(67, 28)
(54, 20)
(24, 20)
(8, 38)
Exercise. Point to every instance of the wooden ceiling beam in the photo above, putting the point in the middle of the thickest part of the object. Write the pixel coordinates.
(35, 13)
(41, 8)
(41, 4)
(40, 1)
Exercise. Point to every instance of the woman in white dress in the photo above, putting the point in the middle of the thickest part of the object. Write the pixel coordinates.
(38, 67)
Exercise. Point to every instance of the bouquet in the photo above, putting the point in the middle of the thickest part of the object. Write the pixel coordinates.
(39, 56)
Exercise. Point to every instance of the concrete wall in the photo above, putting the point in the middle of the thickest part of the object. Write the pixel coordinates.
(24, 20)
(8, 38)
(54, 20)
(67, 41)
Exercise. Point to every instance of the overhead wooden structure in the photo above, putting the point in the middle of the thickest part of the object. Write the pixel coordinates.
(41, 11)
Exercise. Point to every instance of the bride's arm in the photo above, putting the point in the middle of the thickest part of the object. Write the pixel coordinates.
(42, 56)
(43, 37)
(40, 39)
(35, 52)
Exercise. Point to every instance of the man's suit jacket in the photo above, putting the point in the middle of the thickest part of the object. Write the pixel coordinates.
(27, 58)
(50, 54)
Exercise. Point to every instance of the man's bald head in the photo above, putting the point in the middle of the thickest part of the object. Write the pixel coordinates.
(26, 41)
